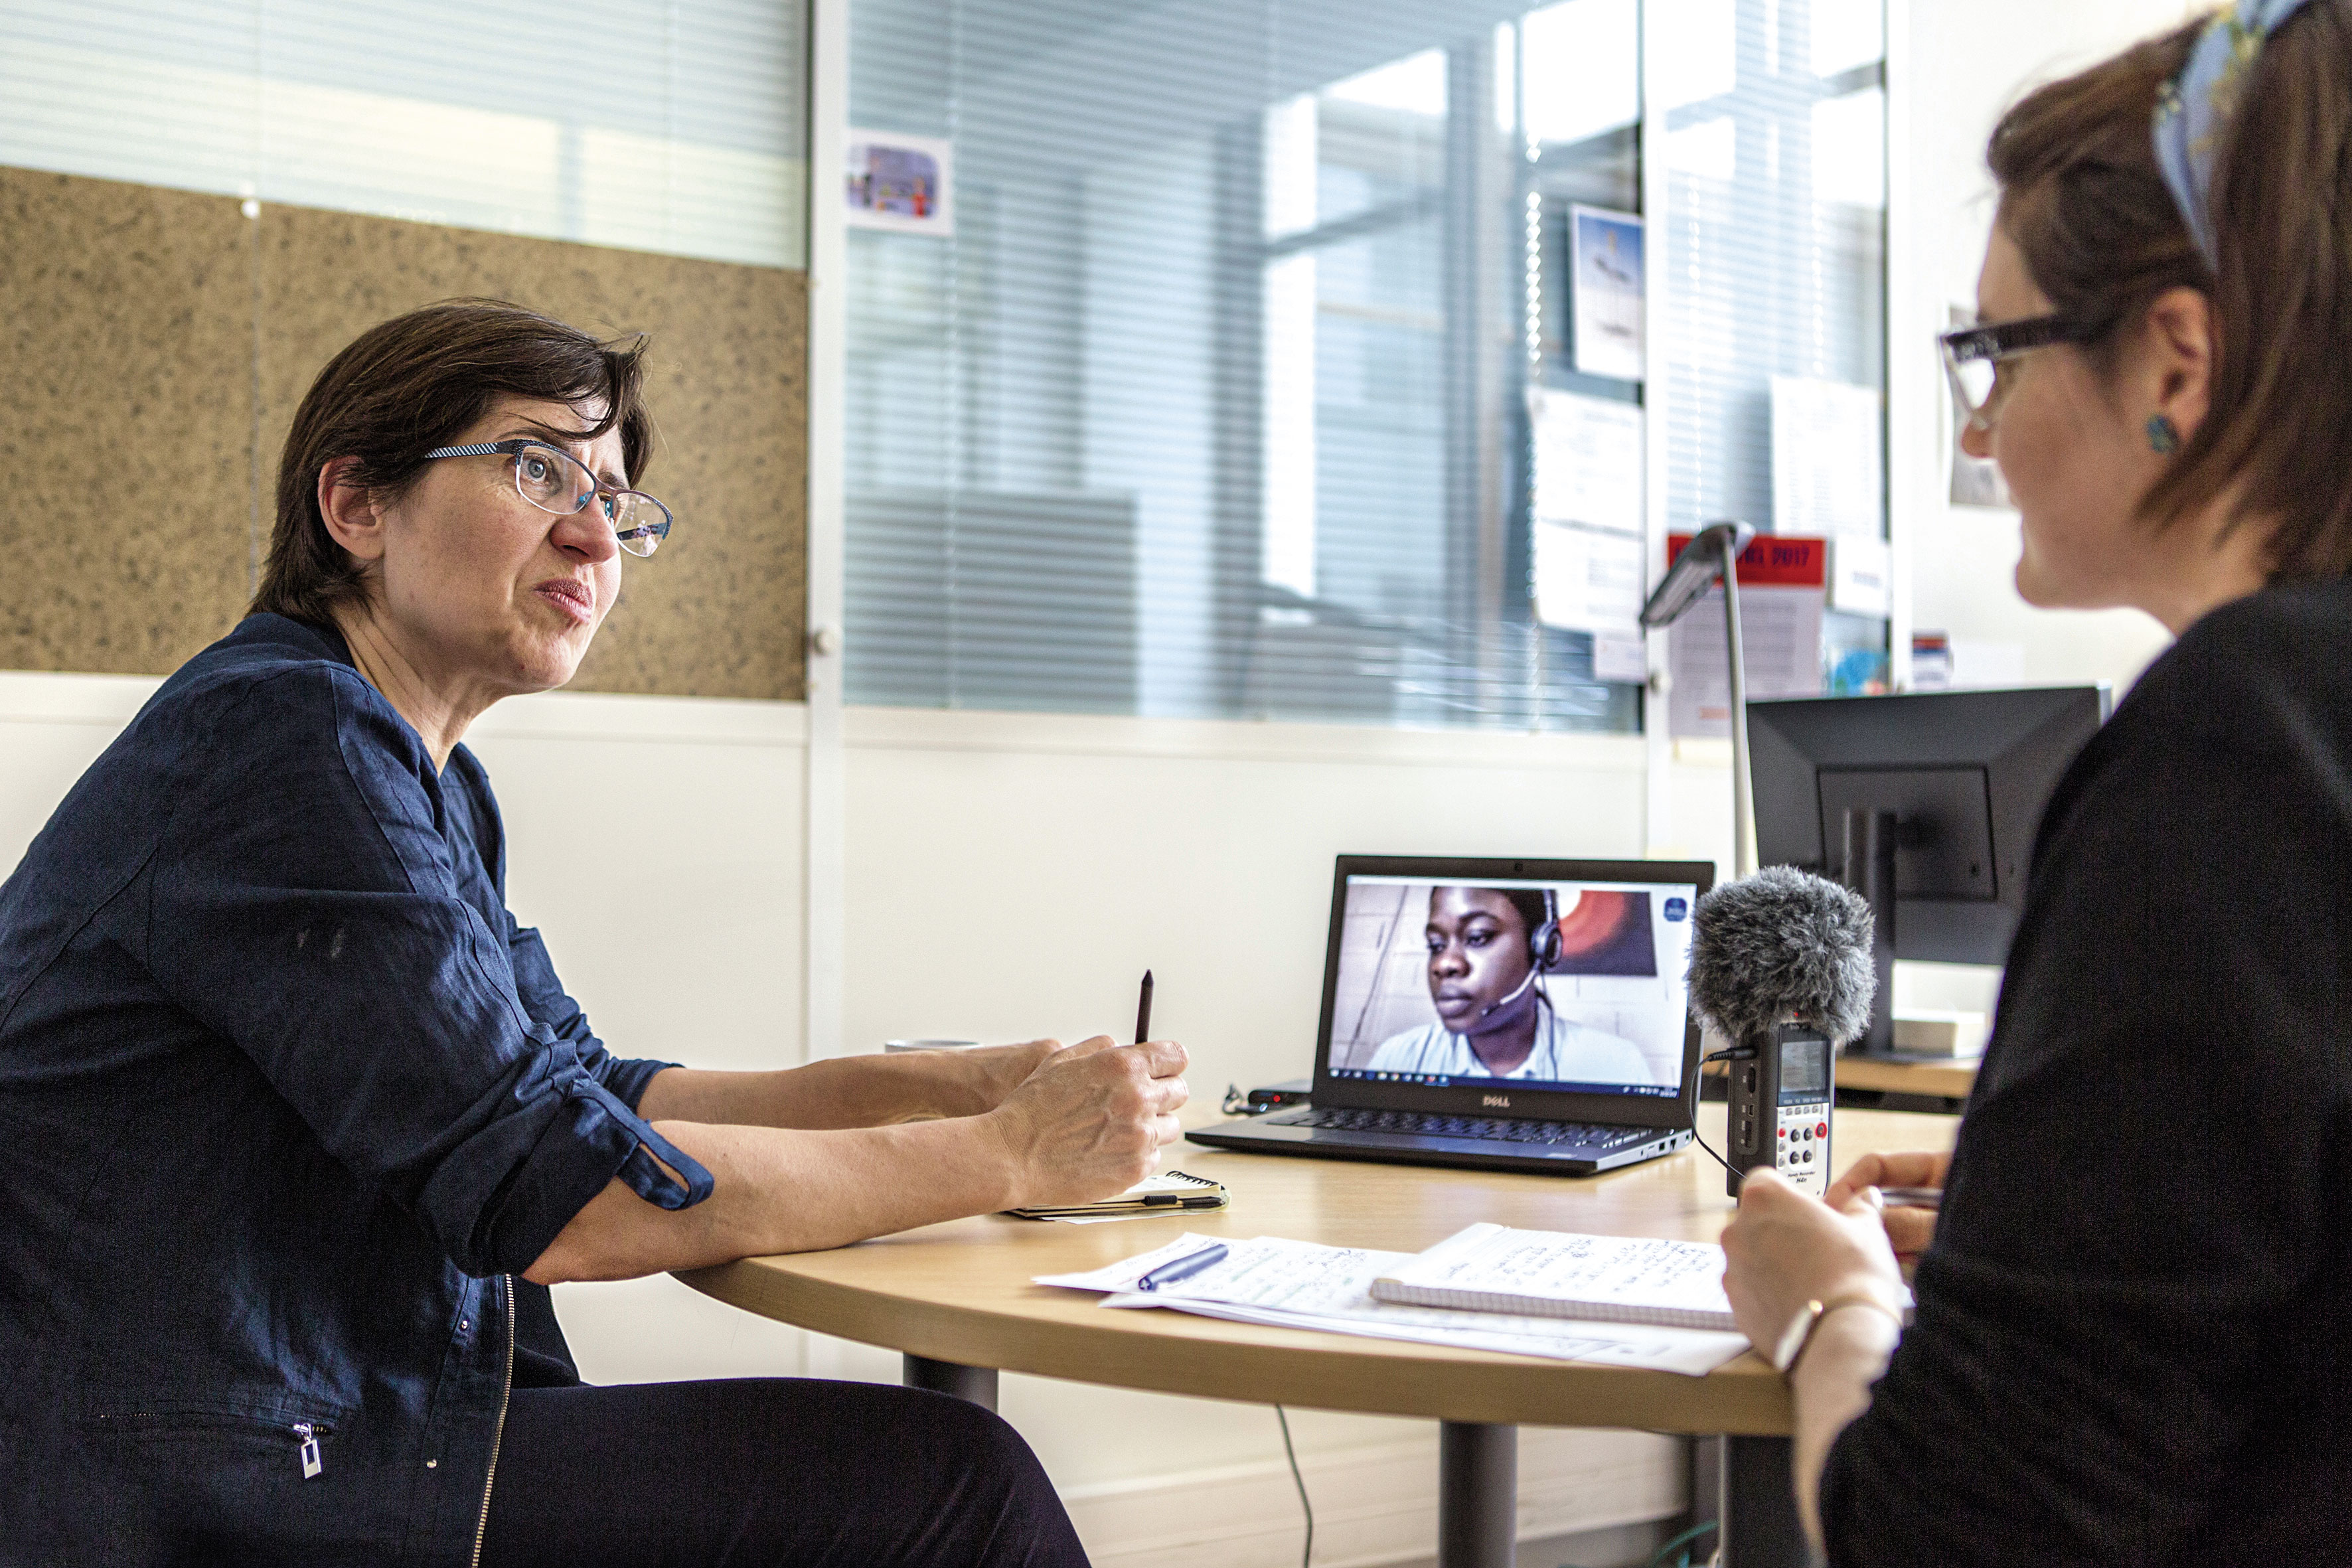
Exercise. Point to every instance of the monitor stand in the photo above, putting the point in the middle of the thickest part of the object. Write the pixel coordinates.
(1871, 839)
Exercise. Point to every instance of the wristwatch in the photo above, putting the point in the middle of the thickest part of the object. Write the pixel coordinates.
(1799, 1332)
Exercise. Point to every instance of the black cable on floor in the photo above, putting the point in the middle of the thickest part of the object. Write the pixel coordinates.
(1305, 1556)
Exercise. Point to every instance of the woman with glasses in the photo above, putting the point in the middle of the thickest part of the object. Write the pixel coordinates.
(302, 1125)
(2133, 1333)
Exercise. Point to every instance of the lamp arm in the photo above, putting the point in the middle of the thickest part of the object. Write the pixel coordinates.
(1743, 798)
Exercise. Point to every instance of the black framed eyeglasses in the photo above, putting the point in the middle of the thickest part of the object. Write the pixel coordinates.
(554, 481)
(1973, 358)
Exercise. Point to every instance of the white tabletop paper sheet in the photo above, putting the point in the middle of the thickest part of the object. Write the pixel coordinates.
(1300, 1285)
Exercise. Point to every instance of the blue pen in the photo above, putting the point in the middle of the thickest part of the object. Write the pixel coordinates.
(1184, 1268)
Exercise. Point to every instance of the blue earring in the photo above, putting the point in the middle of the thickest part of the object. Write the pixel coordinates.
(2163, 436)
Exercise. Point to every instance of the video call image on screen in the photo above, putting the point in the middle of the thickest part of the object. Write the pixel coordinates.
(1565, 986)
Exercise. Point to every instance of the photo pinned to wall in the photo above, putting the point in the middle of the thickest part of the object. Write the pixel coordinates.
(904, 184)
(1605, 265)
(1976, 481)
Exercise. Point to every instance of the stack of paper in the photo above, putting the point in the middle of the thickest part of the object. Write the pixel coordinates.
(1560, 1274)
(1299, 1285)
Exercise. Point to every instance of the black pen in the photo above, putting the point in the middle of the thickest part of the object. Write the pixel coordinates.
(1143, 1011)
(1184, 1268)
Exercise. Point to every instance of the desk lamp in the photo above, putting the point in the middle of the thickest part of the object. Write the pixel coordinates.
(1716, 550)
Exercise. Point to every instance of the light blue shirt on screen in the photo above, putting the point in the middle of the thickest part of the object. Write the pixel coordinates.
(1566, 1052)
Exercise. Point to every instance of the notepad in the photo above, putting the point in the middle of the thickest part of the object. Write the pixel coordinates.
(1169, 1191)
(1558, 1274)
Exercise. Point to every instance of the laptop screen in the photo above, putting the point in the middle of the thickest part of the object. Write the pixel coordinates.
(1575, 986)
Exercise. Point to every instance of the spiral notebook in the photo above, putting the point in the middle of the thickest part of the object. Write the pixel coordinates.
(1558, 1274)
(1169, 1191)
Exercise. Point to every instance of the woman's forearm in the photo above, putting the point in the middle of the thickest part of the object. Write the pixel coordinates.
(776, 1190)
(839, 1092)
(1830, 1385)
(1089, 1122)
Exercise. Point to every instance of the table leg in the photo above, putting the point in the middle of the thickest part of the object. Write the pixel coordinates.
(1759, 1514)
(1477, 1495)
(977, 1383)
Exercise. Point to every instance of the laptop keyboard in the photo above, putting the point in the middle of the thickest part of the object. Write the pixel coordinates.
(1435, 1124)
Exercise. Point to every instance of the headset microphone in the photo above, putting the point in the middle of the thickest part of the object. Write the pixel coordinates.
(1516, 992)
(1780, 967)
(1543, 951)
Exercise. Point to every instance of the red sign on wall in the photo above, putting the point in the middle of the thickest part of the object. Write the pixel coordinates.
(1773, 559)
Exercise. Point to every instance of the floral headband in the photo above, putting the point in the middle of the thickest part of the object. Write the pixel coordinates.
(2194, 108)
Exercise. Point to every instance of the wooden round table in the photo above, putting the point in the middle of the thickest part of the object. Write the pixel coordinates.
(956, 1300)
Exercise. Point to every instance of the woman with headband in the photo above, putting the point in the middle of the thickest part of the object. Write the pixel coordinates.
(2133, 1336)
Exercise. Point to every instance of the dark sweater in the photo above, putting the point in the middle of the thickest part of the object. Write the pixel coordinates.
(2133, 1339)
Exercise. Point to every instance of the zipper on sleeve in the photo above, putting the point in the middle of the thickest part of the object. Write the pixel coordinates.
(498, 1433)
(312, 1464)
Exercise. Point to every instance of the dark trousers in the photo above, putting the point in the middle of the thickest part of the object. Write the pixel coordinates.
(765, 1472)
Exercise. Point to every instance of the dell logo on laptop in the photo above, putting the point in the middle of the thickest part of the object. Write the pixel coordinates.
(1500, 1101)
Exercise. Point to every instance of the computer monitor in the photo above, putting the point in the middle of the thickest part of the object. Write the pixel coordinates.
(1926, 804)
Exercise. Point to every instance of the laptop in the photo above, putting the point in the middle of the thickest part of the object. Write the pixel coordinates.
(1503, 1015)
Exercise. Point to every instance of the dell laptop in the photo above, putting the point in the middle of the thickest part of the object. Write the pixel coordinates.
(1506, 1015)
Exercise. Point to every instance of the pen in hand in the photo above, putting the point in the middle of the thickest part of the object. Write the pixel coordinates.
(1143, 1011)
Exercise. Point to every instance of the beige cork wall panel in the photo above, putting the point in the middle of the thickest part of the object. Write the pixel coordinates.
(153, 345)
(126, 423)
(719, 612)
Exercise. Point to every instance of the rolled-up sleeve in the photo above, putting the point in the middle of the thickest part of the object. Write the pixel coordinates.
(544, 998)
(304, 905)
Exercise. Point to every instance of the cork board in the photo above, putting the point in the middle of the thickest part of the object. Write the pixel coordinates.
(249, 311)
(126, 423)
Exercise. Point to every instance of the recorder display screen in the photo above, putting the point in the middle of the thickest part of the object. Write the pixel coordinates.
(1805, 1066)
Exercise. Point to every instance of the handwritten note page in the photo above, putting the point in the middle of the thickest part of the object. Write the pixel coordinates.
(1295, 1284)
(1634, 1271)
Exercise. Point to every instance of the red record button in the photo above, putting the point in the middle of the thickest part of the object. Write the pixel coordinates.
(1823, 1129)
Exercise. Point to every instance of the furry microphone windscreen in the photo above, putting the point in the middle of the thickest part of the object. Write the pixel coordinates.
(1780, 944)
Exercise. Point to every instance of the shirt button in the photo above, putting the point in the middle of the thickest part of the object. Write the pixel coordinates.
(432, 1463)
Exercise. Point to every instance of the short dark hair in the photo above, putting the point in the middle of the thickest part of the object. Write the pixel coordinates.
(415, 383)
(2083, 200)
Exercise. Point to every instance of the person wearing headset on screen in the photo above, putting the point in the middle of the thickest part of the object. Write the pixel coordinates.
(1488, 948)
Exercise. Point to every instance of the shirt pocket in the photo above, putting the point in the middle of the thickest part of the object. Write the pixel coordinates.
(274, 1434)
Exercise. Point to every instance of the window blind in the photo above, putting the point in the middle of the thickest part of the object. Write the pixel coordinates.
(1775, 232)
(676, 127)
(1208, 406)
(1210, 397)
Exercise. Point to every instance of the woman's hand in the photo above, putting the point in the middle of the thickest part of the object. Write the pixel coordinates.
(1908, 1229)
(1786, 1248)
(1091, 1119)
(985, 1075)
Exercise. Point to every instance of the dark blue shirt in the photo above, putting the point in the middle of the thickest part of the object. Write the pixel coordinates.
(288, 1099)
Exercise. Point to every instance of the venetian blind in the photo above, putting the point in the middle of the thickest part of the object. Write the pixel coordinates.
(1206, 394)
(666, 125)
(1775, 127)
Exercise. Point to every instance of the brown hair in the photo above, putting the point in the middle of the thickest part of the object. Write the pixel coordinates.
(415, 383)
(2083, 200)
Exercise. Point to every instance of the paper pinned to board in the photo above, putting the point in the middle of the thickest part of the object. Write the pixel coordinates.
(1588, 553)
(1279, 1283)
(1828, 465)
(1784, 588)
